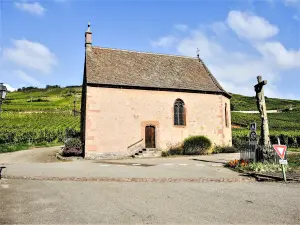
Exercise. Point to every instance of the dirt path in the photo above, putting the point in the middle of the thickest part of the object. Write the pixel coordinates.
(36, 155)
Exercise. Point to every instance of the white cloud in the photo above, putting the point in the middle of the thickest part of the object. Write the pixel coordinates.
(10, 88)
(237, 69)
(181, 27)
(32, 55)
(164, 42)
(279, 54)
(251, 27)
(28, 79)
(33, 8)
(208, 49)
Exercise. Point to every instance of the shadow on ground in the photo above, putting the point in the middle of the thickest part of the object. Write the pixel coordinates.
(125, 164)
(203, 160)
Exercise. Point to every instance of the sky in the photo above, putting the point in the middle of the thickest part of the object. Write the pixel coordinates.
(42, 42)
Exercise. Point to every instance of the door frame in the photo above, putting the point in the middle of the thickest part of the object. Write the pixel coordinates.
(154, 127)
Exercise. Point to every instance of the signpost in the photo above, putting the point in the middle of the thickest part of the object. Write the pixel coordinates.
(281, 150)
(253, 135)
(253, 126)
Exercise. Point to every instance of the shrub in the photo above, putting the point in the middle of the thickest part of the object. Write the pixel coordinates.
(72, 133)
(73, 147)
(176, 149)
(196, 145)
(225, 149)
(165, 154)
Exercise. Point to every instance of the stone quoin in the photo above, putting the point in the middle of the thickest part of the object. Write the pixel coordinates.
(138, 100)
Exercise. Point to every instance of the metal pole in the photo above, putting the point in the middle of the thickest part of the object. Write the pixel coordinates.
(74, 106)
(283, 172)
(282, 166)
(0, 108)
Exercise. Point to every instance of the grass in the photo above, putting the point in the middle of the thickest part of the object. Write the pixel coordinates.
(244, 166)
(43, 99)
(294, 160)
(293, 150)
(245, 103)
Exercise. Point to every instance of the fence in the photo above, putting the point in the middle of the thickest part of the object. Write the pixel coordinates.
(257, 153)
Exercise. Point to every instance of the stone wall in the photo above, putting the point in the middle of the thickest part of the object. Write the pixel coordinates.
(116, 118)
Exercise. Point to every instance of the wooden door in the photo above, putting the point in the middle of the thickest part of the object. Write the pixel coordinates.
(150, 136)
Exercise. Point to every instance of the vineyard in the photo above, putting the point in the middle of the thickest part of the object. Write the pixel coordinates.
(39, 117)
(36, 127)
(285, 125)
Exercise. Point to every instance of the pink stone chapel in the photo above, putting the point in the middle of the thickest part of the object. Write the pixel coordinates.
(140, 102)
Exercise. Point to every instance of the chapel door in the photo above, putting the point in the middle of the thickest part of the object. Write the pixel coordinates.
(150, 136)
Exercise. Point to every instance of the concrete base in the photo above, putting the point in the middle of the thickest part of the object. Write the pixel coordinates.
(106, 155)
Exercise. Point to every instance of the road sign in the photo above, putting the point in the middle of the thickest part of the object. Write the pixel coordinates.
(283, 161)
(253, 136)
(253, 126)
(280, 149)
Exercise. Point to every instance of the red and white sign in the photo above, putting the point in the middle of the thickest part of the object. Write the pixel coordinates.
(280, 149)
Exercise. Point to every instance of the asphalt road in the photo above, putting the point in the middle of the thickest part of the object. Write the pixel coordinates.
(70, 202)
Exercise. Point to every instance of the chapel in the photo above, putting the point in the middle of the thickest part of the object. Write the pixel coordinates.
(146, 102)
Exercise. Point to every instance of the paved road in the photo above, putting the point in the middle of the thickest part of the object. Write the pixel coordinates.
(181, 167)
(70, 202)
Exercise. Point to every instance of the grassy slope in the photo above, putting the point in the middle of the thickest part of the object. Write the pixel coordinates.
(286, 121)
(241, 103)
(43, 99)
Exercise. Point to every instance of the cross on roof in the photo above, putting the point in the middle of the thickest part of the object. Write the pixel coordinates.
(198, 52)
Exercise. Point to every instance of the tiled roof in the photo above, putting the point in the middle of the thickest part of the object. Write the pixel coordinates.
(108, 66)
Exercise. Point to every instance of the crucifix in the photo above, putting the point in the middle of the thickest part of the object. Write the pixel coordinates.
(261, 105)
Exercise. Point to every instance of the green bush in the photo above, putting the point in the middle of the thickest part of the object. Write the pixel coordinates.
(173, 150)
(176, 150)
(196, 145)
(225, 149)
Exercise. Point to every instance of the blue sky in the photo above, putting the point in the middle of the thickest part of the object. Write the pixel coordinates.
(42, 42)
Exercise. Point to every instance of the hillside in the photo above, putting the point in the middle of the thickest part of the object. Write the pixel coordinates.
(43, 99)
(43, 115)
(63, 98)
(245, 103)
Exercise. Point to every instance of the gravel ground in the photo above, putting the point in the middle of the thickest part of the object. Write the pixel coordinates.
(69, 202)
(36, 155)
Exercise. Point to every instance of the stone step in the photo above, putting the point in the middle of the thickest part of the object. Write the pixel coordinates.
(144, 153)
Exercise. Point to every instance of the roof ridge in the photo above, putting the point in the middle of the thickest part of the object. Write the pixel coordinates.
(141, 52)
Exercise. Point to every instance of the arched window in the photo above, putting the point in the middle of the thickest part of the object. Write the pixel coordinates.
(179, 112)
(226, 115)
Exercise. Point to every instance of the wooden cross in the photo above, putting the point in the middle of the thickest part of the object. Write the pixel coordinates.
(258, 87)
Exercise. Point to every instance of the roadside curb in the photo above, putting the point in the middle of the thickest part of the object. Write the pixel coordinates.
(269, 178)
(71, 159)
(150, 180)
